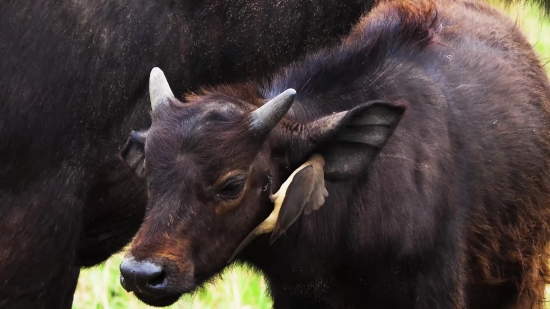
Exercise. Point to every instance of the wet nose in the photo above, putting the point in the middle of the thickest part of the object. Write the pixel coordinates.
(143, 276)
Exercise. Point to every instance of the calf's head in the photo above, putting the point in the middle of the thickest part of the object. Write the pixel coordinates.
(207, 163)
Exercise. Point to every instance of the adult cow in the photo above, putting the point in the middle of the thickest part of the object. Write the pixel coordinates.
(72, 74)
(433, 121)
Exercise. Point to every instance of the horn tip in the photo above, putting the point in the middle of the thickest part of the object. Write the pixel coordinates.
(156, 72)
(290, 92)
(159, 89)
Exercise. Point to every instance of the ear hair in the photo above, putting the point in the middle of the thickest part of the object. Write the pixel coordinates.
(349, 140)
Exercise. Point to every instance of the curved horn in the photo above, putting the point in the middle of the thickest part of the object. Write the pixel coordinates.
(268, 115)
(159, 90)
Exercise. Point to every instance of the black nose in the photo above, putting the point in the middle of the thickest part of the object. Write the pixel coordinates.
(143, 276)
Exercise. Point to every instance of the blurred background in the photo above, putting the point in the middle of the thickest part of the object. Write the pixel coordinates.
(240, 287)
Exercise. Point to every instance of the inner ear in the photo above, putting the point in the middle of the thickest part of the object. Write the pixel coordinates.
(133, 153)
(350, 141)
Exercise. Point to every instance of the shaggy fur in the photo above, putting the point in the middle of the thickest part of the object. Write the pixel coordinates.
(453, 212)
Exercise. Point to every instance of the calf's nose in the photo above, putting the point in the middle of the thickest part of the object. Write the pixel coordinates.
(143, 276)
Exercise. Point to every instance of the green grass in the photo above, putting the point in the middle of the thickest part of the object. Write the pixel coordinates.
(238, 287)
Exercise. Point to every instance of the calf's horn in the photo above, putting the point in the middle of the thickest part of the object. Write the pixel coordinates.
(265, 118)
(159, 90)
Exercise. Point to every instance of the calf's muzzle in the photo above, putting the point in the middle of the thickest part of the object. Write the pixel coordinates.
(142, 277)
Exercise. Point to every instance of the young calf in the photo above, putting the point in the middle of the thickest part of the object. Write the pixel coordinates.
(433, 122)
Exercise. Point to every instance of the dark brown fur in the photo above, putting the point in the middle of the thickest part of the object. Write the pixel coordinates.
(453, 212)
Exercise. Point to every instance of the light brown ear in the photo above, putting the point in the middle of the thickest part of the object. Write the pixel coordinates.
(294, 201)
(319, 192)
(306, 192)
(318, 195)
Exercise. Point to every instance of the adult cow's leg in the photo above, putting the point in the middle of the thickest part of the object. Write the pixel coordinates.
(39, 228)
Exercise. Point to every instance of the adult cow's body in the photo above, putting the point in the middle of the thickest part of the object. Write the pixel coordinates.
(72, 74)
(454, 211)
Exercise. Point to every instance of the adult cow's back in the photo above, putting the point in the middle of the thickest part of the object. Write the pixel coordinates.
(72, 78)
(433, 119)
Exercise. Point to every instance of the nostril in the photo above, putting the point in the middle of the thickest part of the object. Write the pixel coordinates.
(141, 275)
(147, 272)
(157, 280)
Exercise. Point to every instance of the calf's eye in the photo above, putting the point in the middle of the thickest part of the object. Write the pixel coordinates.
(233, 187)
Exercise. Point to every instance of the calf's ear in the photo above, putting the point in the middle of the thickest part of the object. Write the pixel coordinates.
(133, 153)
(350, 140)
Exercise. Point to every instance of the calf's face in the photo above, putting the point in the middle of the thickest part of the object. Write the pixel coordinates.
(207, 164)
(206, 175)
